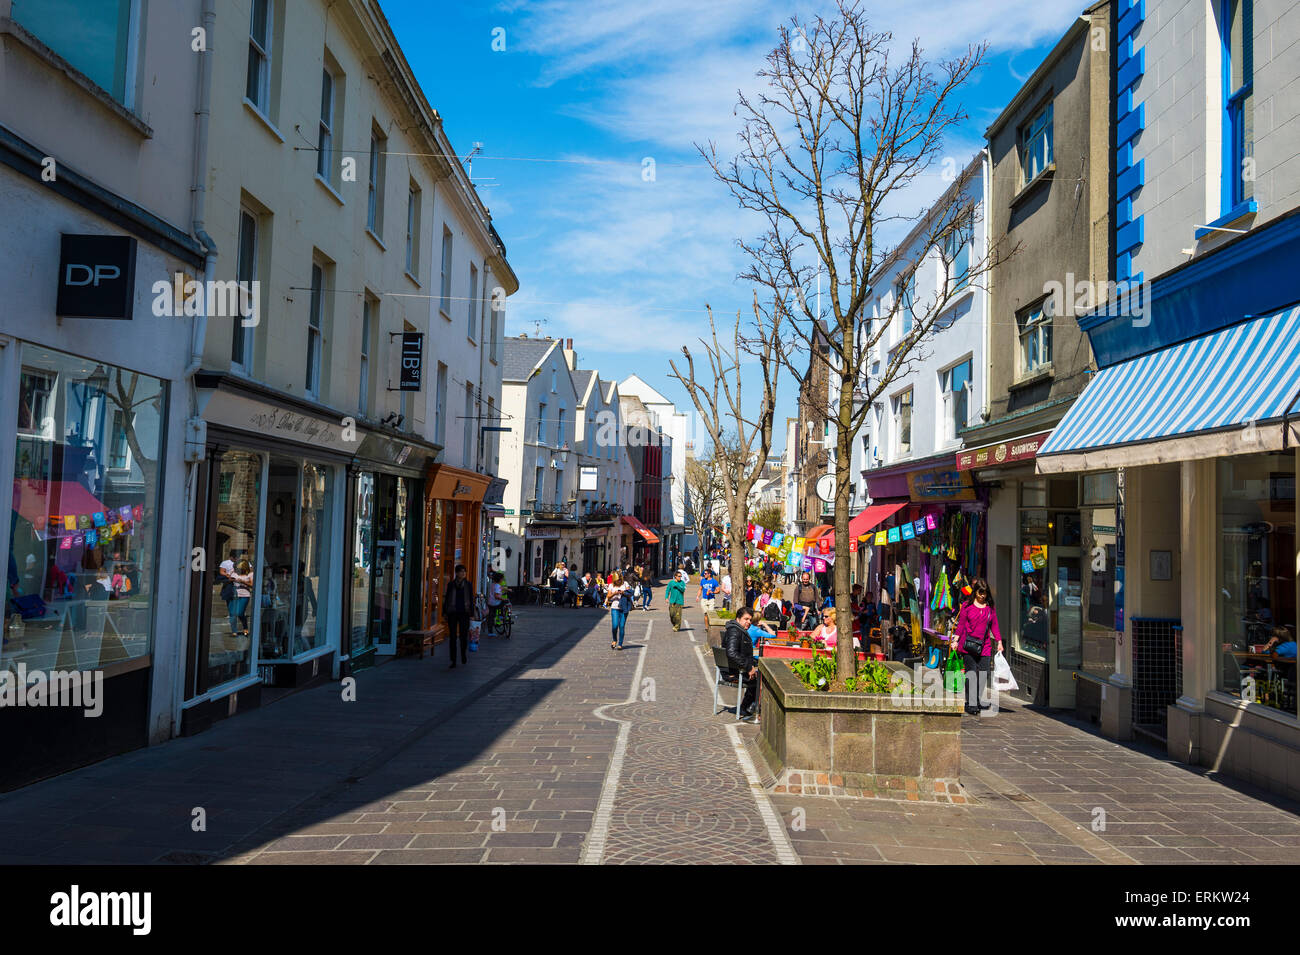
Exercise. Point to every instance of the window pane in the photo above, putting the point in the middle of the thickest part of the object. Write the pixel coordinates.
(82, 543)
(238, 493)
(92, 35)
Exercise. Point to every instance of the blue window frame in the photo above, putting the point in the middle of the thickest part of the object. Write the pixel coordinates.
(1236, 26)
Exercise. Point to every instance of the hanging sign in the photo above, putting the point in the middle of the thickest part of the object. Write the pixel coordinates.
(930, 522)
(894, 537)
(908, 531)
(882, 538)
(942, 484)
(96, 277)
(412, 361)
(919, 527)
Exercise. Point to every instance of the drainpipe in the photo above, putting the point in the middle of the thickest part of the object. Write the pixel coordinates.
(195, 432)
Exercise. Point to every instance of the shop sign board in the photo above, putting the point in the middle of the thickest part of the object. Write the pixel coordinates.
(941, 484)
(1005, 452)
(96, 277)
(412, 361)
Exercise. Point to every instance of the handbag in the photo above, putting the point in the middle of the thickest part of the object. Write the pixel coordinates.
(228, 591)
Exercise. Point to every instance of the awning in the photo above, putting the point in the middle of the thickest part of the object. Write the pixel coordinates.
(820, 531)
(1203, 397)
(871, 517)
(650, 536)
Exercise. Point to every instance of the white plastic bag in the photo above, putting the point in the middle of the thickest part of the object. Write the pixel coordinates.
(1003, 680)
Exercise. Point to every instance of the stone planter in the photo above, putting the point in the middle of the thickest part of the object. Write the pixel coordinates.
(714, 627)
(855, 742)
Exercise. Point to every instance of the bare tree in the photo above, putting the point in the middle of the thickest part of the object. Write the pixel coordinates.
(741, 438)
(842, 128)
(704, 493)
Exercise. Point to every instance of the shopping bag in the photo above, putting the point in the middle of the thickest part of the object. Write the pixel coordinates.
(473, 645)
(953, 675)
(1002, 676)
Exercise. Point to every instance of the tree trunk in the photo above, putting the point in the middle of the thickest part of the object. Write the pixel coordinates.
(846, 659)
(736, 566)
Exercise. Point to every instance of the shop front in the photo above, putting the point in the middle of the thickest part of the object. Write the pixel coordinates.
(269, 516)
(1198, 408)
(454, 534)
(86, 600)
(644, 544)
(386, 554)
(925, 535)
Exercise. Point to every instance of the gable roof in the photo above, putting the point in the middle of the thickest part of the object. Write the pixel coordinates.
(522, 355)
(582, 381)
(636, 385)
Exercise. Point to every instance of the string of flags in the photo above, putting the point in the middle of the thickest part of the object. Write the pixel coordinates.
(88, 530)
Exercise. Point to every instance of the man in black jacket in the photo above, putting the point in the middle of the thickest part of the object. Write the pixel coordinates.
(457, 608)
(740, 655)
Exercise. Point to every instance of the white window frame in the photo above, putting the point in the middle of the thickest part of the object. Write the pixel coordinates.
(471, 301)
(315, 324)
(413, 203)
(440, 408)
(948, 426)
(261, 48)
(902, 448)
(375, 185)
(1034, 324)
(242, 335)
(367, 326)
(444, 285)
(325, 132)
(1037, 129)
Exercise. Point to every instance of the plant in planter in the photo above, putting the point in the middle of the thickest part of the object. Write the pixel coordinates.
(816, 673)
(872, 677)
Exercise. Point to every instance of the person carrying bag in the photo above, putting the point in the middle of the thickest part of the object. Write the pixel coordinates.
(975, 635)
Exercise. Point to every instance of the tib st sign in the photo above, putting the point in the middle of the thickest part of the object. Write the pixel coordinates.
(412, 361)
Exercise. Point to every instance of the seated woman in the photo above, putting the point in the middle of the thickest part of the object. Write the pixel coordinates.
(775, 611)
(827, 632)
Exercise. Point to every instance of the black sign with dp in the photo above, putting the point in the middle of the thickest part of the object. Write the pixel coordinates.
(96, 277)
(412, 361)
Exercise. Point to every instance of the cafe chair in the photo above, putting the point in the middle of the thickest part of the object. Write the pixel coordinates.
(721, 669)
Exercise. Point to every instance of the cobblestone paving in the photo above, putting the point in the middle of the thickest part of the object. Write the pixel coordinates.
(683, 796)
(1037, 779)
(516, 759)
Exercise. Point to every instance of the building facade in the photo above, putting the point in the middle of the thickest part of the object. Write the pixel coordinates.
(1192, 414)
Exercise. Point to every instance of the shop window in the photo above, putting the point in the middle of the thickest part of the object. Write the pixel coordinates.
(1033, 493)
(1257, 579)
(363, 539)
(239, 565)
(1063, 492)
(311, 624)
(1035, 620)
(82, 542)
(96, 36)
(1100, 488)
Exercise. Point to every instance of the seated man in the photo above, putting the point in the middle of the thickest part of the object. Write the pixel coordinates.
(740, 654)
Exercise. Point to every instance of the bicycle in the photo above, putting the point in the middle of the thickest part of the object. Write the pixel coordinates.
(501, 619)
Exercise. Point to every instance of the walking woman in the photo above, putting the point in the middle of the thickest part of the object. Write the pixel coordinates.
(977, 634)
(618, 598)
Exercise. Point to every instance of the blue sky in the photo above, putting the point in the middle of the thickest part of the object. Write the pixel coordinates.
(584, 92)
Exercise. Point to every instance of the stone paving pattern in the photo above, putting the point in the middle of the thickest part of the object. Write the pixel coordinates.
(504, 761)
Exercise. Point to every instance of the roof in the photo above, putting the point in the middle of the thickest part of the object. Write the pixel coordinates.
(636, 385)
(522, 355)
(582, 382)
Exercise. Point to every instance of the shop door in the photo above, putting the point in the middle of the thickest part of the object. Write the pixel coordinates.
(390, 504)
(1065, 647)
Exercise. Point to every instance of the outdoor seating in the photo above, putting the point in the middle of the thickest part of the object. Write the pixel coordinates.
(725, 675)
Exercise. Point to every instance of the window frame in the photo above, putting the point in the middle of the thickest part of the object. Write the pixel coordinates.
(1035, 321)
(414, 209)
(904, 400)
(315, 331)
(325, 129)
(1238, 104)
(948, 398)
(242, 336)
(368, 307)
(263, 48)
(375, 184)
(444, 283)
(471, 302)
(1038, 127)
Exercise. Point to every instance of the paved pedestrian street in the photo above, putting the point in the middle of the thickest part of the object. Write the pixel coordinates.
(551, 747)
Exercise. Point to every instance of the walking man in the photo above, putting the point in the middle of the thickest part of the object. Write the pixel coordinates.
(708, 591)
(677, 599)
(457, 607)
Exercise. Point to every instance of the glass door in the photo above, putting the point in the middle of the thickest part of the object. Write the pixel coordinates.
(1065, 587)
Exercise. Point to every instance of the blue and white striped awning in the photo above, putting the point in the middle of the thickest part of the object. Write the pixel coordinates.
(1238, 375)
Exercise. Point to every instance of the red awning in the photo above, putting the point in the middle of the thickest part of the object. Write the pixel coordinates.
(36, 501)
(871, 517)
(650, 536)
(820, 531)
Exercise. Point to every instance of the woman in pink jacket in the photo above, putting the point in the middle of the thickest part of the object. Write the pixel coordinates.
(976, 635)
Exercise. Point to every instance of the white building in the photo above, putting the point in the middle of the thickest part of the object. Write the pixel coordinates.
(675, 426)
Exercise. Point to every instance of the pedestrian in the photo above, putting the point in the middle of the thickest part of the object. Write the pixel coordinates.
(457, 607)
(726, 591)
(495, 598)
(646, 591)
(805, 600)
(677, 599)
(739, 647)
(618, 598)
(976, 634)
(708, 591)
